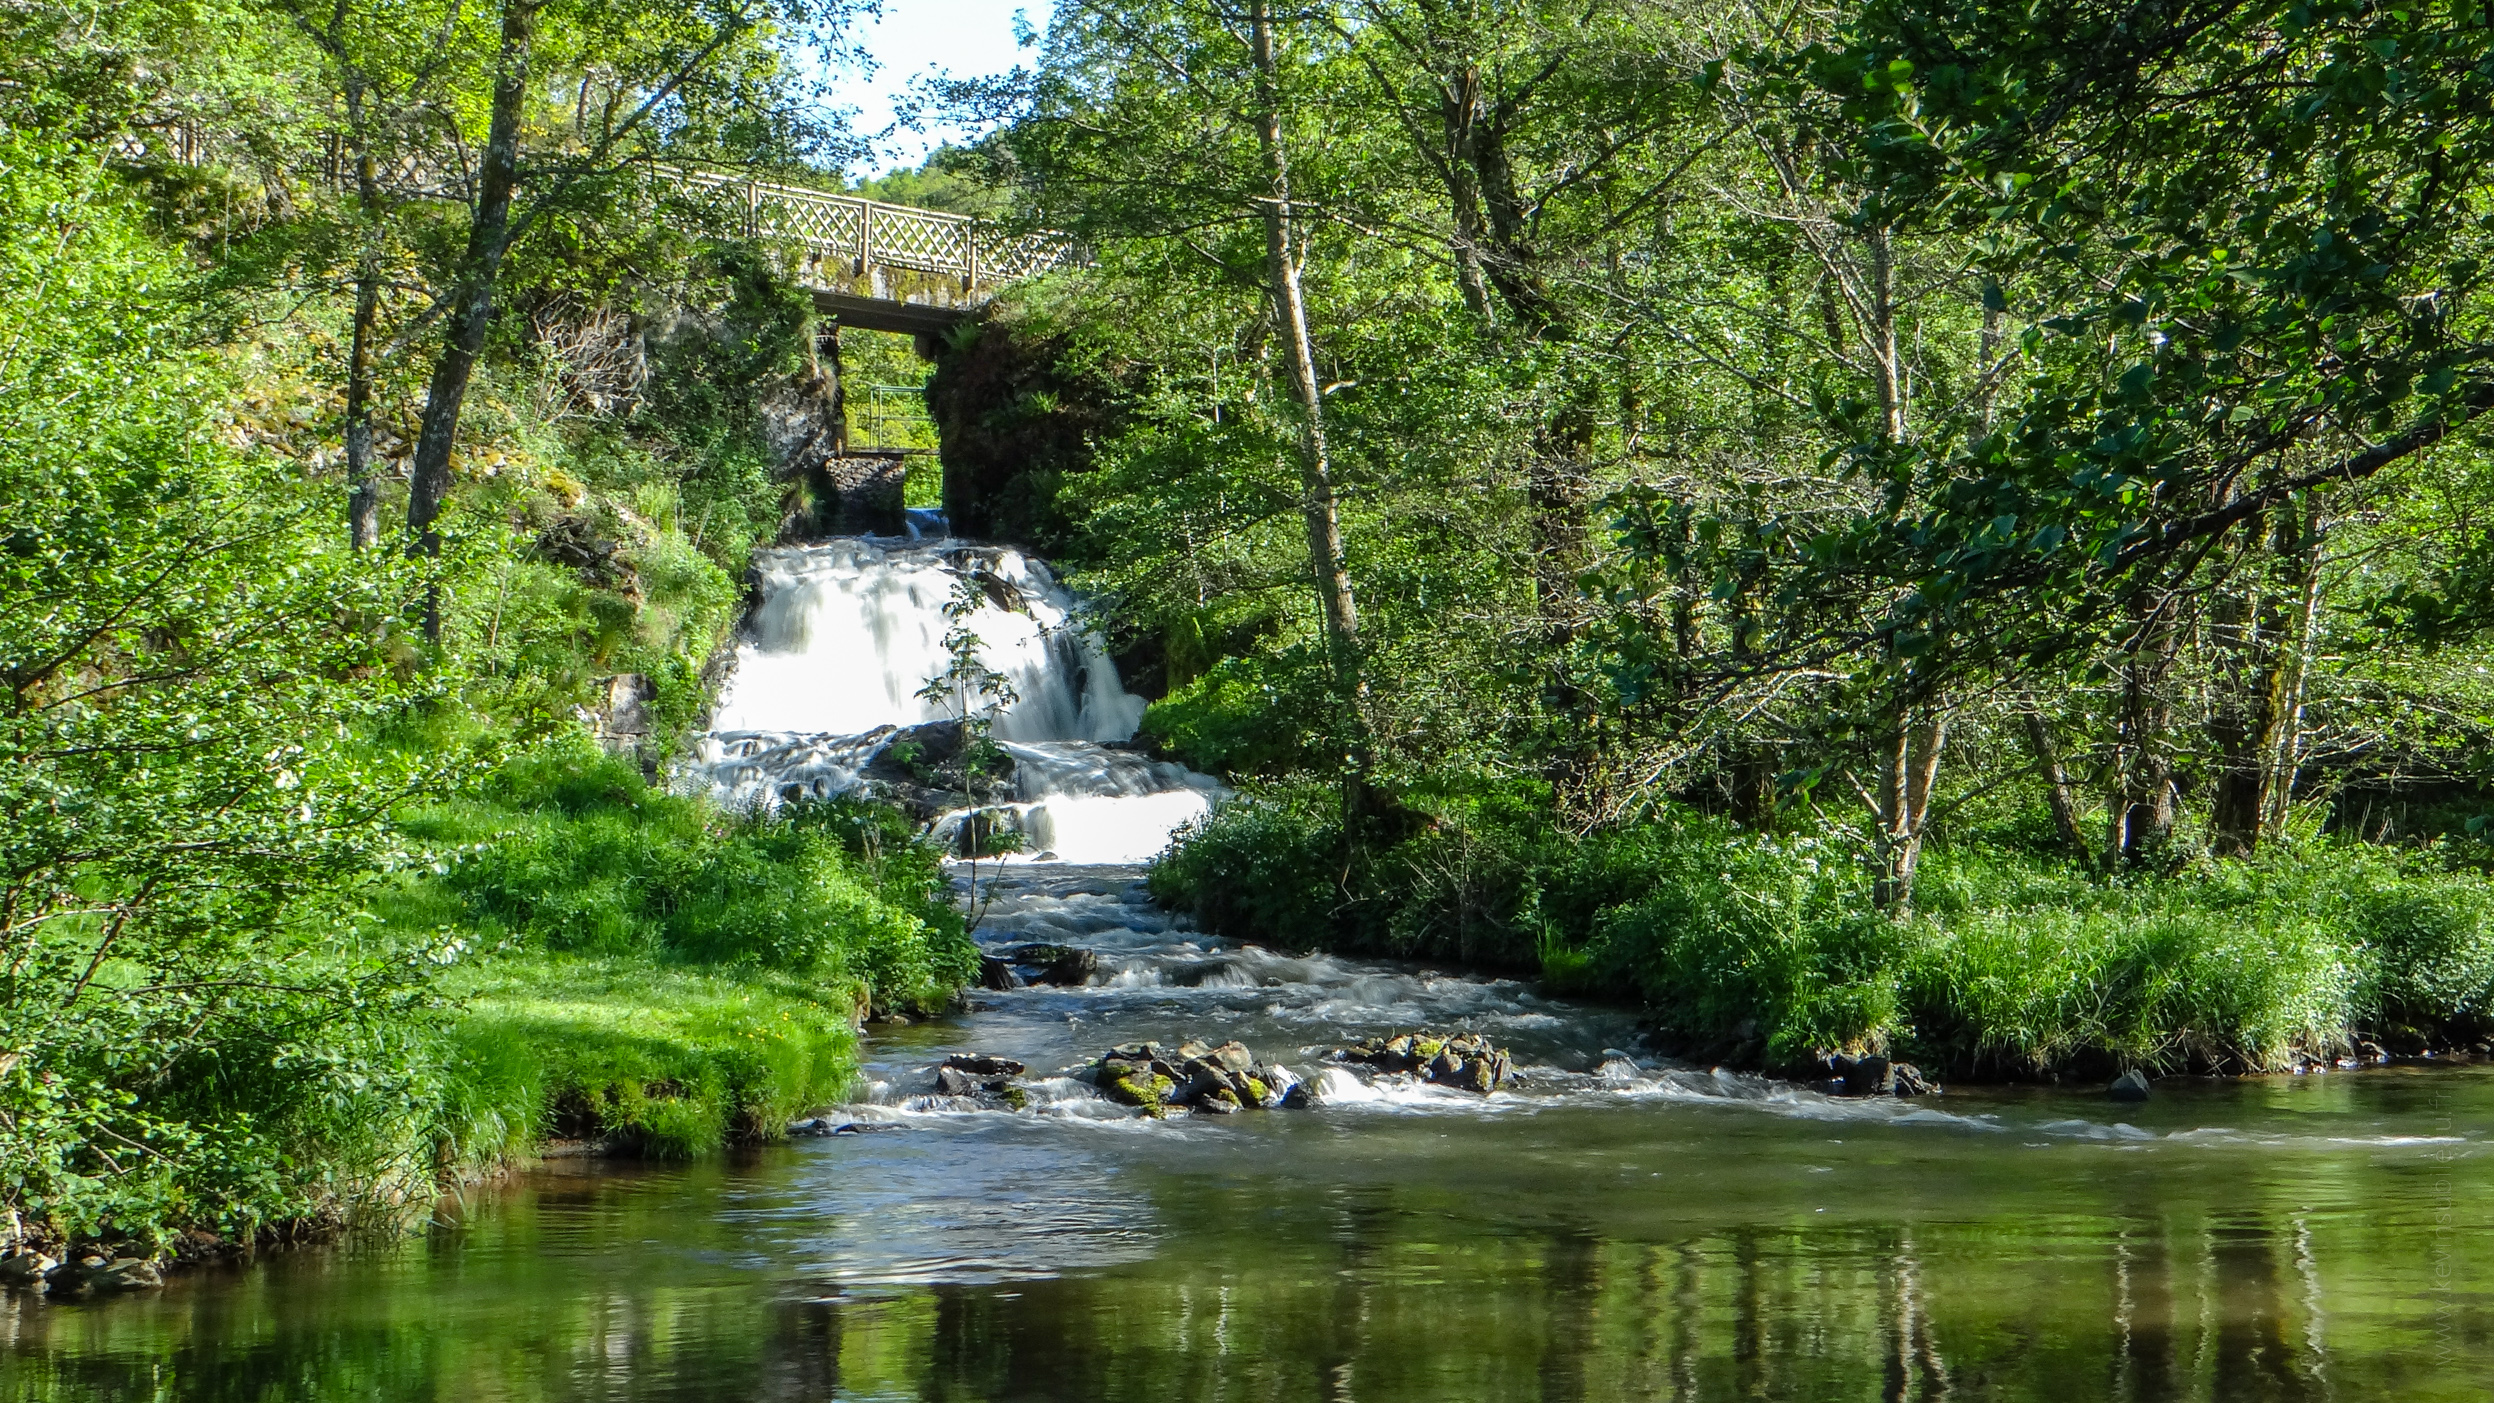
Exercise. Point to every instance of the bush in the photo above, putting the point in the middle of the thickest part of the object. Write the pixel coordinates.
(1764, 949)
(1244, 716)
(2024, 992)
(1763, 945)
(1267, 865)
(190, 1029)
(2428, 952)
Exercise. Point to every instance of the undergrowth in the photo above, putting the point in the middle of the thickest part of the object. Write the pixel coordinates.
(1764, 949)
(638, 966)
(661, 1060)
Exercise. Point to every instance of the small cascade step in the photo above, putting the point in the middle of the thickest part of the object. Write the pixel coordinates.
(829, 696)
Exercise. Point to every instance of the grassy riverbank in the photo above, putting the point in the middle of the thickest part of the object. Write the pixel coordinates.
(637, 1057)
(1764, 949)
(633, 967)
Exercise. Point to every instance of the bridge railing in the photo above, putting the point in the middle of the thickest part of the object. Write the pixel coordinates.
(865, 233)
(870, 233)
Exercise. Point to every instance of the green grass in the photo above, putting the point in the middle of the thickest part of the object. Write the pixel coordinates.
(635, 966)
(572, 853)
(665, 1061)
(1763, 949)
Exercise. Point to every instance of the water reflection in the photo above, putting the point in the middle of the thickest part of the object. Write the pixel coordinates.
(1661, 1253)
(1652, 1234)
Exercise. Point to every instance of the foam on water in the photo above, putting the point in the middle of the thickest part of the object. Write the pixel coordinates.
(1157, 979)
(846, 635)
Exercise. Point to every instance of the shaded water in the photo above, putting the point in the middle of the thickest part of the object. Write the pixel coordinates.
(1613, 1228)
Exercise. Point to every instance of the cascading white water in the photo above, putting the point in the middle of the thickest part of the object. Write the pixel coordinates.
(846, 634)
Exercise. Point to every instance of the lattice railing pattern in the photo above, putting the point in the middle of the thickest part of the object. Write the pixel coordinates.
(863, 233)
(870, 233)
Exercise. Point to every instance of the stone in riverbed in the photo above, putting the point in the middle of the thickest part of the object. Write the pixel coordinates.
(94, 1272)
(978, 1074)
(25, 1267)
(2129, 1086)
(980, 1064)
(1052, 964)
(1465, 1060)
(1873, 1075)
(1195, 1076)
(1911, 1082)
(1137, 1085)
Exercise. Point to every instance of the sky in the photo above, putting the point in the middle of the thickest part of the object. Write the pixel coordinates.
(967, 38)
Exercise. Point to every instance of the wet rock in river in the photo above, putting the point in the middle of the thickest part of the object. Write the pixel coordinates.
(979, 1075)
(1843, 1074)
(2129, 1086)
(1465, 1060)
(996, 973)
(1052, 964)
(1157, 1079)
(94, 1272)
(25, 1267)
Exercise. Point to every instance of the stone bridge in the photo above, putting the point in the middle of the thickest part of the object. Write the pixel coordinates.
(876, 266)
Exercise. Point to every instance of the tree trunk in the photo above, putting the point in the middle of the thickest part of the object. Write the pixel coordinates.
(1459, 109)
(2244, 628)
(2142, 810)
(1887, 367)
(2286, 754)
(1317, 499)
(472, 309)
(2057, 790)
(1751, 767)
(1908, 769)
(363, 498)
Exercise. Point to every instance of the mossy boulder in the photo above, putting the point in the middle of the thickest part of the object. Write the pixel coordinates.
(981, 1077)
(1194, 1076)
(1465, 1060)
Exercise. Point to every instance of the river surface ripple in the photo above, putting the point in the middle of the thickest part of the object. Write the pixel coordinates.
(1612, 1226)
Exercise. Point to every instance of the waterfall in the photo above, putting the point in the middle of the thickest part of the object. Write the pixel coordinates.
(825, 692)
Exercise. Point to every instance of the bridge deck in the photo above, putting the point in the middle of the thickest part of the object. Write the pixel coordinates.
(877, 266)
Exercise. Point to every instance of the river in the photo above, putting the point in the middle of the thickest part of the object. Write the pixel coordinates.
(1609, 1227)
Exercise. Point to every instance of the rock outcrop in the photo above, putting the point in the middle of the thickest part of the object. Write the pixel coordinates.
(981, 1077)
(1194, 1076)
(1870, 1074)
(85, 1272)
(1465, 1060)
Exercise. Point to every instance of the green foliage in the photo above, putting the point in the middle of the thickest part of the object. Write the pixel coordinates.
(949, 179)
(663, 1060)
(1266, 865)
(571, 852)
(190, 1024)
(1245, 716)
(2427, 941)
(731, 326)
(1764, 949)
